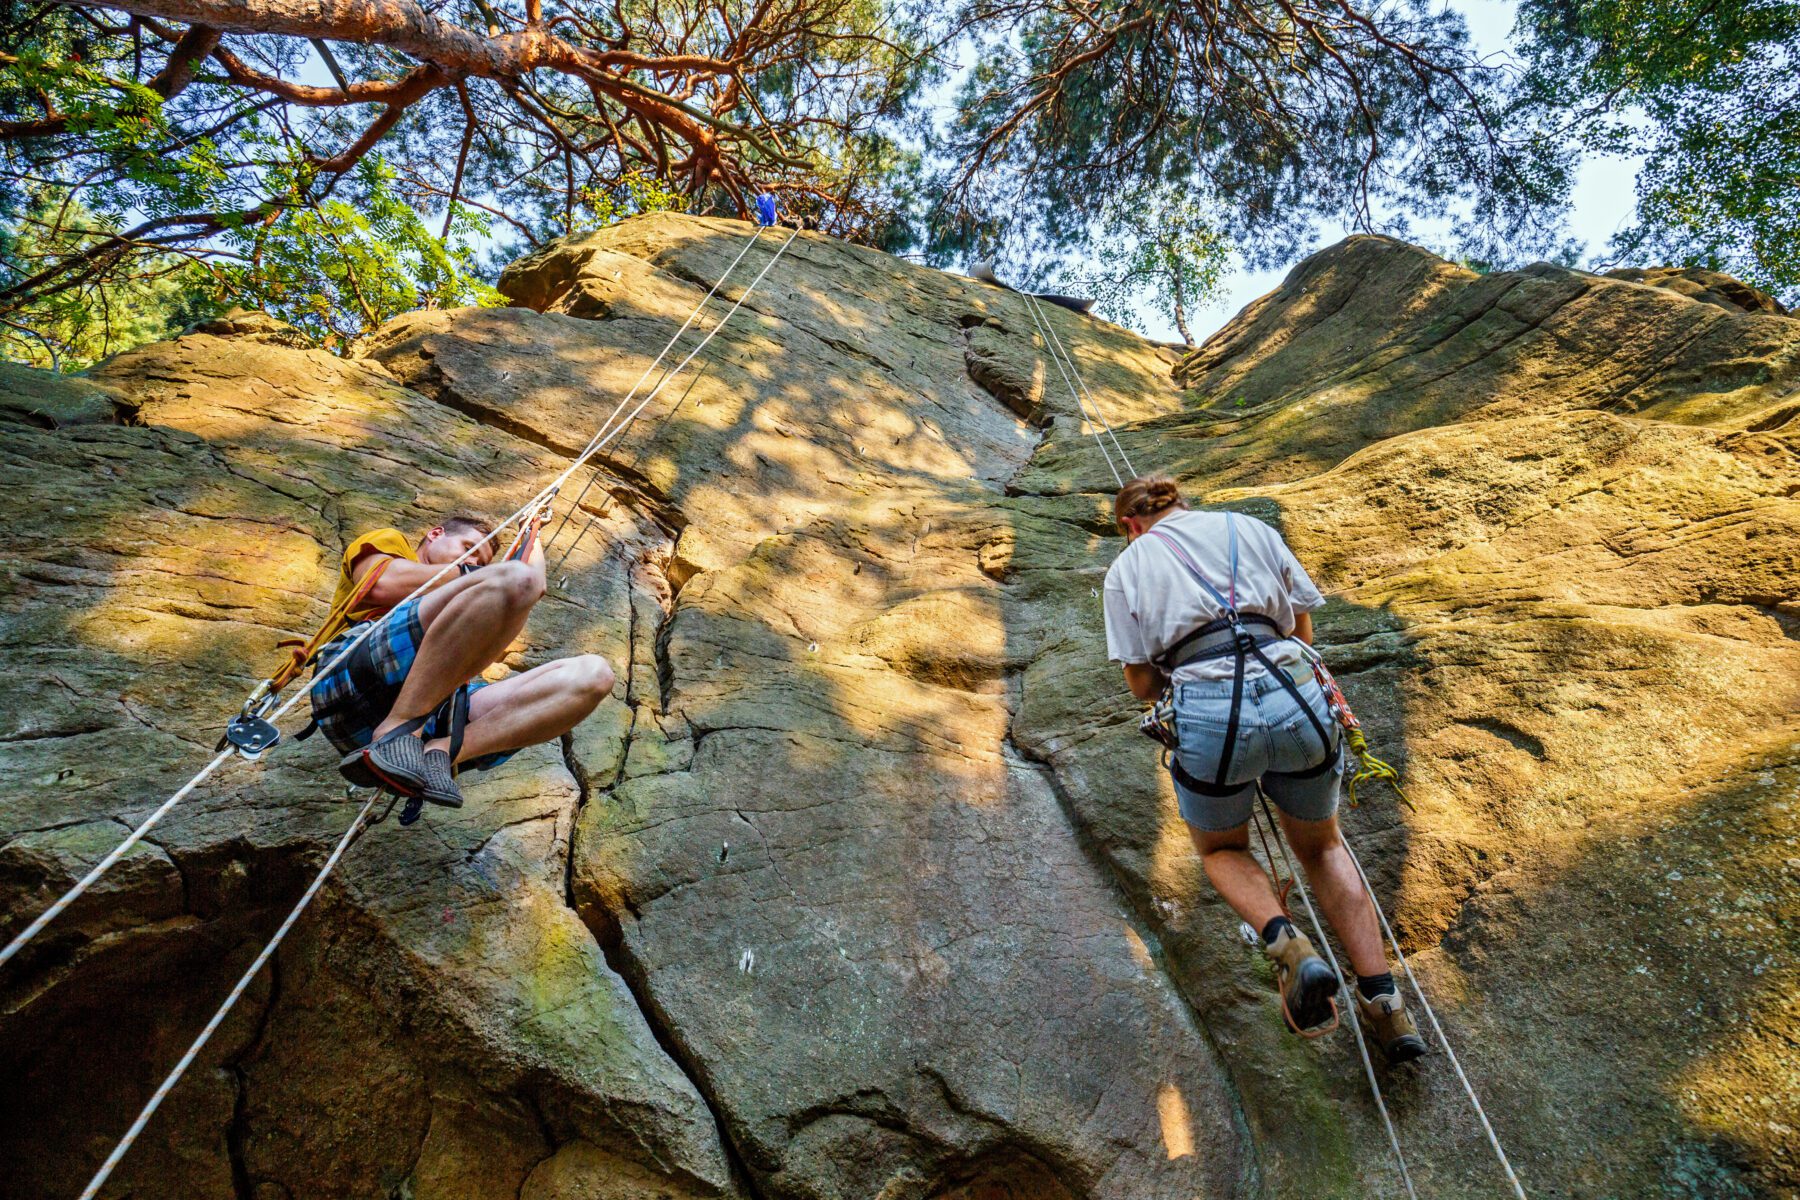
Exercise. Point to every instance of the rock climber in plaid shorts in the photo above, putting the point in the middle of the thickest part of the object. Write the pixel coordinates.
(388, 706)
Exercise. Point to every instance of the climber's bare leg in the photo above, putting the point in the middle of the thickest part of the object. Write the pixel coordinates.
(1236, 876)
(533, 706)
(1337, 887)
(468, 625)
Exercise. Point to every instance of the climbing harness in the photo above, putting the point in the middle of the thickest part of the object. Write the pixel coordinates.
(1230, 636)
(1210, 643)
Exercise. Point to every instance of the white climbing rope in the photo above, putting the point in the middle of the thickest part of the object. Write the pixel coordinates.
(657, 361)
(114, 855)
(218, 1018)
(607, 432)
(1406, 969)
(1349, 1000)
(1093, 425)
(1060, 354)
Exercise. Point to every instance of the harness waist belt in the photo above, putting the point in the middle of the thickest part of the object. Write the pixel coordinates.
(1215, 639)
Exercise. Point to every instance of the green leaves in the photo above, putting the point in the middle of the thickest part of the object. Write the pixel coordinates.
(246, 164)
(75, 328)
(636, 192)
(1158, 244)
(1707, 93)
(1276, 116)
(338, 269)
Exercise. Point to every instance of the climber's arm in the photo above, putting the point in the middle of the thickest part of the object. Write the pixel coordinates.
(1303, 630)
(402, 577)
(1145, 680)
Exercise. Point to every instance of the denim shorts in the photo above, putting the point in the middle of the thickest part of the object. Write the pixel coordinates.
(1274, 738)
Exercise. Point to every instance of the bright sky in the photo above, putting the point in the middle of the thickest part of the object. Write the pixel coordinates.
(1605, 194)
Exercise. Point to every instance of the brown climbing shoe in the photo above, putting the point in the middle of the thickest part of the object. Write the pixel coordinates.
(1391, 1027)
(1307, 984)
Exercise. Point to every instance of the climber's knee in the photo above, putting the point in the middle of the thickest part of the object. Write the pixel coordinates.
(1209, 842)
(590, 678)
(519, 586)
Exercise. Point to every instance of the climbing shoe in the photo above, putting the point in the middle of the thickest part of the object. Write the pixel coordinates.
(1388, 1024)
(440, 781)
(395, 762)
(1307, 984)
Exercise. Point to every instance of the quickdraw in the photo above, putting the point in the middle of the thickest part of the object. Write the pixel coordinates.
(1368, 767)
(1158, 722)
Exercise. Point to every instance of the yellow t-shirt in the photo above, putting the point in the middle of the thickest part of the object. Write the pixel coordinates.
(382, 541)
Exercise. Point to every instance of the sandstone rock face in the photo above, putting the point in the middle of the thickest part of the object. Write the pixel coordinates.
(1713, 287)
(863, 884)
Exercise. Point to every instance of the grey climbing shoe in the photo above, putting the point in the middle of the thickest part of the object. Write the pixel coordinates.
(1307, 984)
(440, 781)
(395, 762)
(1391, 1027)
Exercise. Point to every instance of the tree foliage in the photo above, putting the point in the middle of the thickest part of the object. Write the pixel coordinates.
(78, 326)
(1708, 93)
(1161, 245)
(336, 160)
(1275, 113)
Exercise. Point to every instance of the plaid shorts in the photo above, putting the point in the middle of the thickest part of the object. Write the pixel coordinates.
(354, 696)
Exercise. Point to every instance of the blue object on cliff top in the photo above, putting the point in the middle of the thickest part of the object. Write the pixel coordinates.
(765, 209)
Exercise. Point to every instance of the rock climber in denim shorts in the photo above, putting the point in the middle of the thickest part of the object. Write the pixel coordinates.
(1210, 606)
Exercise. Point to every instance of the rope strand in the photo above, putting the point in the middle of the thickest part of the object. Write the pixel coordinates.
(1093, 425)
(1344, 989)
(100, 868)
(654, 363)
(1093, 402)
(218, 1018)
(1406, 969)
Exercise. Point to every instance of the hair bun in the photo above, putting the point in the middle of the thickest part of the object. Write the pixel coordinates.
(1146, 494)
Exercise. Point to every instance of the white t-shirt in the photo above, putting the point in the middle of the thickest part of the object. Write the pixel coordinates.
(1153, 601)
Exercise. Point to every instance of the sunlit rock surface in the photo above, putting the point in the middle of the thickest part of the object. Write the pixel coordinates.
(863, 884)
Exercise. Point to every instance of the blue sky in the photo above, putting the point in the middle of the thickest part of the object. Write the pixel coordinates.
(1605, 194)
